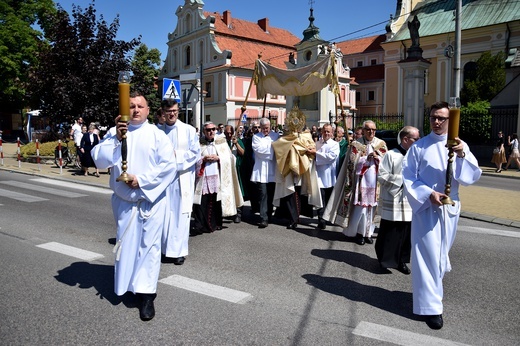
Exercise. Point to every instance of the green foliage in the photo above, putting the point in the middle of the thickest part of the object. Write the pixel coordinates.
(46, 149)
(145, 67)
(20, 42)
(77, 73)
(475, 122)
(487, 80)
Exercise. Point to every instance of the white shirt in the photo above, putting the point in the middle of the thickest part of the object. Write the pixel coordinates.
(265, 161)
(326, 157)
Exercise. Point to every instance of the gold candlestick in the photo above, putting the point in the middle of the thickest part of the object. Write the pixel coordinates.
(453, 132)
(124, 111)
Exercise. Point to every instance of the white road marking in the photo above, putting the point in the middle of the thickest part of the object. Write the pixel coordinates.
(399, 336)
(44, 189)
(21, 196)
(205, 288)
(82, 187)
(71, 251)
(481, 230)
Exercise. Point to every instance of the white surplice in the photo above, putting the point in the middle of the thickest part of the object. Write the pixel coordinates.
(181, 191)
(326, 158)
(139, 213)
(433, 227)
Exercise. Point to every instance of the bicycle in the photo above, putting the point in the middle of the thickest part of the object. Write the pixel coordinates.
(68, 156)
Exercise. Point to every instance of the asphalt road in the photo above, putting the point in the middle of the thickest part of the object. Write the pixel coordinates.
(270, 286)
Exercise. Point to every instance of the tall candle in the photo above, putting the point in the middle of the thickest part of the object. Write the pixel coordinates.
(453, 126)
(124, 101)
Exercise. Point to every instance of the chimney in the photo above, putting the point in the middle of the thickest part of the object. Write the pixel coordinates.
(227, 17)
(263, 24)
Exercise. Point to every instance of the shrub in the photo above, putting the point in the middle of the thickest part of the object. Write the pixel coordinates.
(46, 149)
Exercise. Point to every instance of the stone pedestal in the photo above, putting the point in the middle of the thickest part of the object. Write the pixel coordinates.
(414, 91)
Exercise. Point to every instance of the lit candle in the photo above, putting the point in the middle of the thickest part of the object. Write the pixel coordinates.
(453, 126)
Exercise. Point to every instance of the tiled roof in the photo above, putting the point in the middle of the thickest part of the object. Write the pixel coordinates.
(361, 45)
(247, 39)
(368, 73)
(438, 16)
(245, 52)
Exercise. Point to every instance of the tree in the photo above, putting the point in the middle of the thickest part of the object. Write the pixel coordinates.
(488, 78)
(19, 43)
(77, 73)
(145, 67)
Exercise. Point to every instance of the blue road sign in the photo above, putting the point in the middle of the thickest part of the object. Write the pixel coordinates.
(171, 89)
(244, 118)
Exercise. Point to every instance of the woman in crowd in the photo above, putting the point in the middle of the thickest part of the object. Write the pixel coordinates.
(88, 141)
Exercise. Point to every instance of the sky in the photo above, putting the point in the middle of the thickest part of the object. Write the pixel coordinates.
(338, 20)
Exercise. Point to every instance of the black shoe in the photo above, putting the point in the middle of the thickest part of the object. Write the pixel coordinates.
(434, 321)
(293, 225)
(237, 219)
(178, 261)
(263, 224)
(322, 224)
(146, 308)
(403, 268)
(218, 228)
(359, 239)
(196, 231)
(369, 240)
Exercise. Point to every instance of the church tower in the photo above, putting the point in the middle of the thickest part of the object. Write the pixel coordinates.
(321, 107)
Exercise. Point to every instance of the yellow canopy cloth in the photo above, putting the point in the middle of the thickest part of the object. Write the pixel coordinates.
(298, 82)
(290, 153)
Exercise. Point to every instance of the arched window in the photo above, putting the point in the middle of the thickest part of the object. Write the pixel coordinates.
(470, 71)
(188, 56)
(174, 60)
(187, 23)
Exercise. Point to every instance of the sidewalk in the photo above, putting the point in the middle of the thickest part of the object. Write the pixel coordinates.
(478, 203)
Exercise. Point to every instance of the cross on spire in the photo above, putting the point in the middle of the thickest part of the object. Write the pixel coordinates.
(311, 2)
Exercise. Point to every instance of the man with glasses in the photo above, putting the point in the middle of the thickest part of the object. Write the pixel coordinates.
(139, 205)
(354, 200)
(264, 169)
(217, 190)
(434, 224)
(393, 239)
(180, 192)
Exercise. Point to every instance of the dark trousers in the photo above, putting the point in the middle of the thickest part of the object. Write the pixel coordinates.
(265, 197)
(325, 196)
(208, 214)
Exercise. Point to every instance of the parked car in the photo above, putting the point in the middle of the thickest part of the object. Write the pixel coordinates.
(389, 136)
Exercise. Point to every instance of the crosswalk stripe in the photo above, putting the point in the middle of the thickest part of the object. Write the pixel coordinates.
(481, 230)
(399, 336)
(207, 289)
(76, 186)
(44, 189)
(21, 196)
(71, 251)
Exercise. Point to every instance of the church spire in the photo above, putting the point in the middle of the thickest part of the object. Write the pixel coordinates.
(312, 33)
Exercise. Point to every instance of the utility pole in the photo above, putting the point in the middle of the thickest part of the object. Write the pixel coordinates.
(456, 67)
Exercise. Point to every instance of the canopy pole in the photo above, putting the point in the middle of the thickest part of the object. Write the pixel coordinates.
(244, 107)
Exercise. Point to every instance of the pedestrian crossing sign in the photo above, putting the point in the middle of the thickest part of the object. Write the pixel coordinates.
(244, 118)
(171, 89)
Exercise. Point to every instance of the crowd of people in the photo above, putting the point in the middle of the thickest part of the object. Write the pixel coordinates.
(183, 183)
(499, 152)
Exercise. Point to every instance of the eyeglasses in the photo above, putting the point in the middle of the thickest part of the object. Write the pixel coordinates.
(369, 129)
(439, 119)
(171, 111)
(211, 129)
(414, 139)
(256, 127)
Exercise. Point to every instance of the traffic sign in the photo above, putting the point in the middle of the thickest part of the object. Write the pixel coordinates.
(171, 89)
(244, 118)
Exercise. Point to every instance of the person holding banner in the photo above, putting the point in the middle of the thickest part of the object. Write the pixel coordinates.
(434, 224)
(139, 206)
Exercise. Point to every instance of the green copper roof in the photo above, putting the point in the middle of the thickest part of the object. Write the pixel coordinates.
(438, 16)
